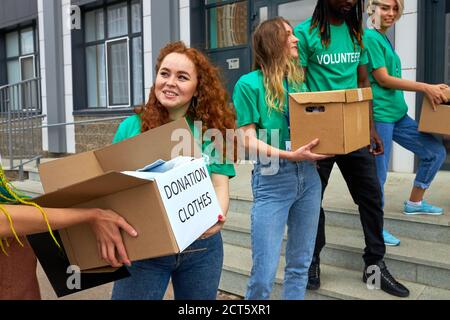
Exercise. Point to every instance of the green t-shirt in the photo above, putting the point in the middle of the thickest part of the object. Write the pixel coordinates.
(131, 127)
(389, 105)
(4, 193)
(249, 99)
(332, 68)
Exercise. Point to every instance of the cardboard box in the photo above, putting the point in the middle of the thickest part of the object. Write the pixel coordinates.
(340, 119)
(169, 213)
(435, 121)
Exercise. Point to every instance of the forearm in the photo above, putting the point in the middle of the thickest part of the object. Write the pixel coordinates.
(258, 147)
(221, 187)
(401, 84)
(365, 83)
(29, 220)
(224, 199)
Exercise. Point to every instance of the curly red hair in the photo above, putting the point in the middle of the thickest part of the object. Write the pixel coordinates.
(212, 108)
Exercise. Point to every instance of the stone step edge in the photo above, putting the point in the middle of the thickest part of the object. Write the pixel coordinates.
(359, 250)
(351, 211)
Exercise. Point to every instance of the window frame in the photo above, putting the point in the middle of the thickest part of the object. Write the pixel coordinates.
(130, 37)
(108, 103)
(34, 65)
(19, 57)
(207, 31)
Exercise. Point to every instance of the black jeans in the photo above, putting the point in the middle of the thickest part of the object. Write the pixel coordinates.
(359, 171)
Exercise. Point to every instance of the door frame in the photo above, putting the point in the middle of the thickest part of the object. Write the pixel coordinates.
(430, 48)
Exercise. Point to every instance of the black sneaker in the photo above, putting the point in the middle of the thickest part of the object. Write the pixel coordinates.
(387, 282)
(314, 275)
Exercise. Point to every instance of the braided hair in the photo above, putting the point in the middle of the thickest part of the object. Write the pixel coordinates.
(321, 19)
(9, 196)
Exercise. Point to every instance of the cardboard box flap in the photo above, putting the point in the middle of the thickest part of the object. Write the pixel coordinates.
(62, 172)
(158, 143)
(88, 190)
(319, 97)
(358, 95)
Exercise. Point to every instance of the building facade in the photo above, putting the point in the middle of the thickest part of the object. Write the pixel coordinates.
(95, 58)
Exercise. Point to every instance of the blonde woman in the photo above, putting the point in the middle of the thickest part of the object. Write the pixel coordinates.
(390, 109)
(289, 196)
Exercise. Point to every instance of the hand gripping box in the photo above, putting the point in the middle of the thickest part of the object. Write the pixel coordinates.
(169, 211)
(435, 121)
(340, 119)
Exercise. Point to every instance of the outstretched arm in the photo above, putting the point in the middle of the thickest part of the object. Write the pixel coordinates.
(376, 144)
(106, 225)
(434, 92)
(249, 139)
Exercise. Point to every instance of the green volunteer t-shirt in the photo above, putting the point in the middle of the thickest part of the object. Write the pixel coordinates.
(249, 99)
(131, 127)
(388, 105)
(329, 68)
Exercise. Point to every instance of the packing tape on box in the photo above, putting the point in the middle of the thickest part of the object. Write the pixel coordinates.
(360, 95)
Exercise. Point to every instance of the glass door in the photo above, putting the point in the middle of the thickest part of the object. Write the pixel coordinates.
(446, 71)
(228, 37)
(295, 11)
(434, 50)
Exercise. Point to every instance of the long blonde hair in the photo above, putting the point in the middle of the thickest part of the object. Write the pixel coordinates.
(269, 41)
(373, 3)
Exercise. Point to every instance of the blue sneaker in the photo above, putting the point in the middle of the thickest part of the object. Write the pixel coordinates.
(390, 240)
(425, 208)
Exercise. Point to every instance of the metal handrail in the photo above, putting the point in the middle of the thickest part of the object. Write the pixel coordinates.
(21, 117)
(20, 109)
(19, 83)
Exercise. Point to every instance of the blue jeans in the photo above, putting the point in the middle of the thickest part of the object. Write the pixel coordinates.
(290, 197)
(430, 151)
(195, 274)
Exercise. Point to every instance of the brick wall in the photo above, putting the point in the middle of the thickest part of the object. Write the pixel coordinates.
(95, 135)
(26, 143)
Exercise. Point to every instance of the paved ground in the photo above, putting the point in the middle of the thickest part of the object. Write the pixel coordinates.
(337, 196)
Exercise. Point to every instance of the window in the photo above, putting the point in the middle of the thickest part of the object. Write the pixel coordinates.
(297, 11)
(20, 55)
(114, 57)
(22, 64)
(227, 25)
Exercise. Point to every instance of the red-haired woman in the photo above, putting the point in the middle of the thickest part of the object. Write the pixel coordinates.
(187, 85)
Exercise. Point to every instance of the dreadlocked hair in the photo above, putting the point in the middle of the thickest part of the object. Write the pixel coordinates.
(321, 19)
(276, 64)
(12, 197)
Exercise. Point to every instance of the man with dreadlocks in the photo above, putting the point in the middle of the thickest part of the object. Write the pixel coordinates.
(332, 53)
(19, 217)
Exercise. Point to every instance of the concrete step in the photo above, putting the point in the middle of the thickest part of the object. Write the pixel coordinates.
(337, 283)
(427, 228)
(33, 175)
(29, 187)
(414, 260)
(31, 170)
